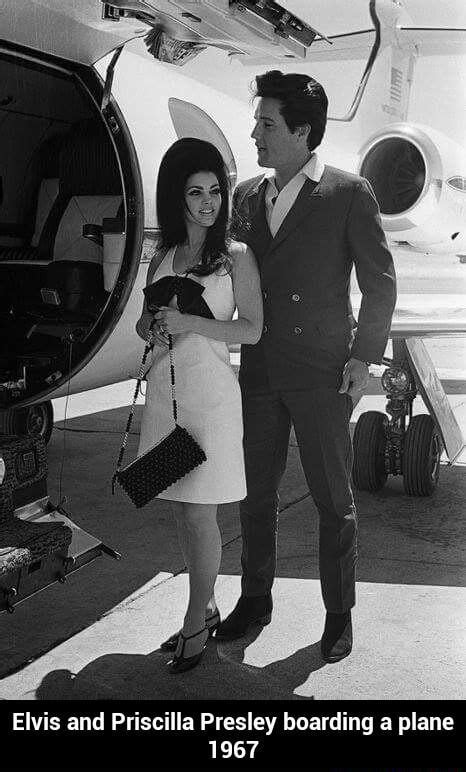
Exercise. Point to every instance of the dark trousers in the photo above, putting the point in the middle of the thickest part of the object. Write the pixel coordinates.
(321, 421)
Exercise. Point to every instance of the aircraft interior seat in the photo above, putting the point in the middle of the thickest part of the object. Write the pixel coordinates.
(39, 193)
(58, 285)
(22, 271)
(20, 283)
(20, 291)
(90, 191)
(114, 239)
(48, 192)
(46, 187)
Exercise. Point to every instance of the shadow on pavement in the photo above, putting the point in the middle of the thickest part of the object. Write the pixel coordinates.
(221, 674)
(402, 541)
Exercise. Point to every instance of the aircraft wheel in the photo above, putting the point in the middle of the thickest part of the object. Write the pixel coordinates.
(34, 421)
(369, 442)
(421, 456)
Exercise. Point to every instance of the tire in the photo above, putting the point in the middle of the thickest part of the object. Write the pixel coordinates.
(33, 421)
(421, 456)
(369, 442)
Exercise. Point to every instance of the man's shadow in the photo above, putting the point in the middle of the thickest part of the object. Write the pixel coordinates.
(221, 675)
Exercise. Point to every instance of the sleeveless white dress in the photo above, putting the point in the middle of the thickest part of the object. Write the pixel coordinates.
(208, 399)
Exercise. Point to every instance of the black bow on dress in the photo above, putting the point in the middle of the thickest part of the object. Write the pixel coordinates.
(188, 296)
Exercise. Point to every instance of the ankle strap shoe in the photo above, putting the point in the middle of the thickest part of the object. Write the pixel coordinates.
(180, 663)
(212, 624)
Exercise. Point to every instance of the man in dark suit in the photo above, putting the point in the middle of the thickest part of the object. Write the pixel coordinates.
(307, 224)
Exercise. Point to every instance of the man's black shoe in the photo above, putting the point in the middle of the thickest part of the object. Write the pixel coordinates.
(247, 612)
(337, 640)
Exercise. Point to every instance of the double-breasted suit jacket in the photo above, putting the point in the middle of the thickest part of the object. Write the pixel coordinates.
(309, 329)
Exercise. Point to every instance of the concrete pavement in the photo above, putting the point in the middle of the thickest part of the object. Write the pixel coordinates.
(98, 635)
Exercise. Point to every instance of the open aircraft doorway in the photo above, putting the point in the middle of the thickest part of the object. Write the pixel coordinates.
(71, 230)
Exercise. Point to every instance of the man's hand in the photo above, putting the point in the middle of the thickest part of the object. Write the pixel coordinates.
(355, 379)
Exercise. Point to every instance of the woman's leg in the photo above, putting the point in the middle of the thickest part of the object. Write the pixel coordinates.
(201, 546)
(177, 509)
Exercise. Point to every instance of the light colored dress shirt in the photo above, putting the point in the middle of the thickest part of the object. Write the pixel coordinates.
(277, 210)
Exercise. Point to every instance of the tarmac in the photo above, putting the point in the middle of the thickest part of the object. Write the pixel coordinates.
(98, 635)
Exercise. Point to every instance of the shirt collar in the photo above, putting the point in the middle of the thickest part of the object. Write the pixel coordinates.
(313, 169)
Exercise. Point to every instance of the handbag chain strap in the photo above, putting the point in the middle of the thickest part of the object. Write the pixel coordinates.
(148, 347)
(172, 377)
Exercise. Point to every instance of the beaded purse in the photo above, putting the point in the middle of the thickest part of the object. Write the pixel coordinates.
(162, 465)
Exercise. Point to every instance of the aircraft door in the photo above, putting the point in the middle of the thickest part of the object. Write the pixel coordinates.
(190, 121)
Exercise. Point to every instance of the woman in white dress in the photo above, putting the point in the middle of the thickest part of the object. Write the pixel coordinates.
(192, 207)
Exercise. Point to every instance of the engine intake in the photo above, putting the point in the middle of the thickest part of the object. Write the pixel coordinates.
(410, 167)
(397, 172)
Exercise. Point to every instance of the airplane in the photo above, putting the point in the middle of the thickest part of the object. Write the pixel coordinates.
(91, 96)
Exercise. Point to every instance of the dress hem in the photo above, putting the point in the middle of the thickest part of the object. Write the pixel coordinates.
(191, 501)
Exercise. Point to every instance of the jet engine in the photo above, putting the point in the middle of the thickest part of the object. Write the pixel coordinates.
(419, 179)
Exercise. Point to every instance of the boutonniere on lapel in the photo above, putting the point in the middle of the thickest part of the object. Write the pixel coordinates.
(246, 207)
(239, 223)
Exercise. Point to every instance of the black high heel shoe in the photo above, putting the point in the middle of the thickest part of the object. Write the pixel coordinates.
(212, 623)
(179, 663)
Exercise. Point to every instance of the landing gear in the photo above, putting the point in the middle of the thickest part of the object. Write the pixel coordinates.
(404, 444)
(33, 421)
(369, 444)
(421, 457)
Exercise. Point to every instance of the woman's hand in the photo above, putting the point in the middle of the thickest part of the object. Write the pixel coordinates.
(158, 337)
(172, 322)
(142, 328)
(143, 324)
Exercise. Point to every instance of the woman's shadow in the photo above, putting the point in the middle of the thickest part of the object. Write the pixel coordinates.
(221, 674)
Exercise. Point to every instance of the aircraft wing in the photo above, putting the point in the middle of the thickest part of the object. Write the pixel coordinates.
(424, 315)
(434, 41)
(423, 328)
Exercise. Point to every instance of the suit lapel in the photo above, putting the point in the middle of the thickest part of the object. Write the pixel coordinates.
(258, 220)
(308, 200)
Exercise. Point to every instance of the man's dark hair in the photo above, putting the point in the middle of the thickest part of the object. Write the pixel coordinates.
(302, 101)
(186, 157)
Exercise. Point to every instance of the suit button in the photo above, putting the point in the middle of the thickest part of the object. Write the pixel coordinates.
(265, 294)
(266, 329)
(296, 298)
(297, 330)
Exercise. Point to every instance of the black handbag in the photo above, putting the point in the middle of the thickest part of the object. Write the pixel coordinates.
(162, 465)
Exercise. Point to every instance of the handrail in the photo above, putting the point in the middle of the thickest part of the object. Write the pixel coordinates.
(367, 70)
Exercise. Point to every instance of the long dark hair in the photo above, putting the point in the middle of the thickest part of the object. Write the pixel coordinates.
(186, 157)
